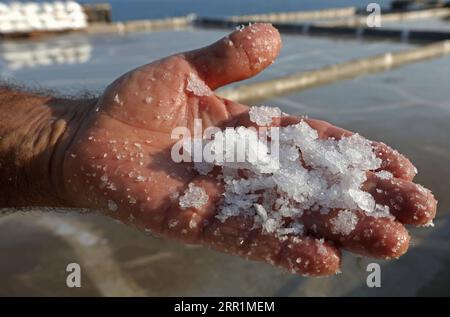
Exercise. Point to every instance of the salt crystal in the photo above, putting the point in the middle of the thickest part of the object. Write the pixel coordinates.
(148, 100)
(344, 223)
(321, 249)
(173, 223)
(197, 86)
(261, 60)
(140, 178)
(192, 224)
(117, 99)
(294, 229)
(260, 211)
(271, 225)
(263, 115)
(384, 174)
(363, 199)
(194, 196)
(382, 211)
(111, 186)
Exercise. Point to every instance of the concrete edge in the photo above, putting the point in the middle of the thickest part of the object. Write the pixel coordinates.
(140, 25)
(298, 15)
(394, 17)
(306, 28)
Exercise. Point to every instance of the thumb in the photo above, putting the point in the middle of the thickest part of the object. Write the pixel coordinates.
(240, 55)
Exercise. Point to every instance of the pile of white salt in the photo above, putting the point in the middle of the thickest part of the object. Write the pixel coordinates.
(308, 174)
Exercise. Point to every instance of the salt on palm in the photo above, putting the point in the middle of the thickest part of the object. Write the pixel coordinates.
(263, 115)
(276, 192)
(197, 86)
(194, 197)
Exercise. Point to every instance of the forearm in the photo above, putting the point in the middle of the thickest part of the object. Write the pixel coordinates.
(35, 130)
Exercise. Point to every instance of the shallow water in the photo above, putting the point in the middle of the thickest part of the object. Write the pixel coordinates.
(79, 62)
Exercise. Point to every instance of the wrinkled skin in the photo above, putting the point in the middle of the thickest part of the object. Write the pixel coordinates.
(121, 156)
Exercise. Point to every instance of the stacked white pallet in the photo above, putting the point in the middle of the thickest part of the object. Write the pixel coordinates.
(30, 54)
(23, 17)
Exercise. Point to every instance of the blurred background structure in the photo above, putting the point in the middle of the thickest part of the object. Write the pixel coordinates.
(388, 82)
(29, 17)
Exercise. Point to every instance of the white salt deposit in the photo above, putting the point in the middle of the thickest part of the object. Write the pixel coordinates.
(148, 99)
(194, 197)
(173, 223)
(344, 223)
(308, 174)
(117, 99)
(241, 148)
(263, 115)
(197, 86)
(384, 174)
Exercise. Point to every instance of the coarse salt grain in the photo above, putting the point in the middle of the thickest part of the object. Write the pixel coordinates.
(194, 197)
(197, 86)
(344, 223)
(263, 115)
(384, 174)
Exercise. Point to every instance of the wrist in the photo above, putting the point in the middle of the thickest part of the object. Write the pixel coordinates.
(35, 132)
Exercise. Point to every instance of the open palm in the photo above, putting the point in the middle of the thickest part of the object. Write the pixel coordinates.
(120, 162)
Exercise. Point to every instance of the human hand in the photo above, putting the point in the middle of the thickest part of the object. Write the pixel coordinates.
(119, 161)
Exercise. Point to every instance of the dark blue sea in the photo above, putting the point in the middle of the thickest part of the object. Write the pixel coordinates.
(143, 9)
